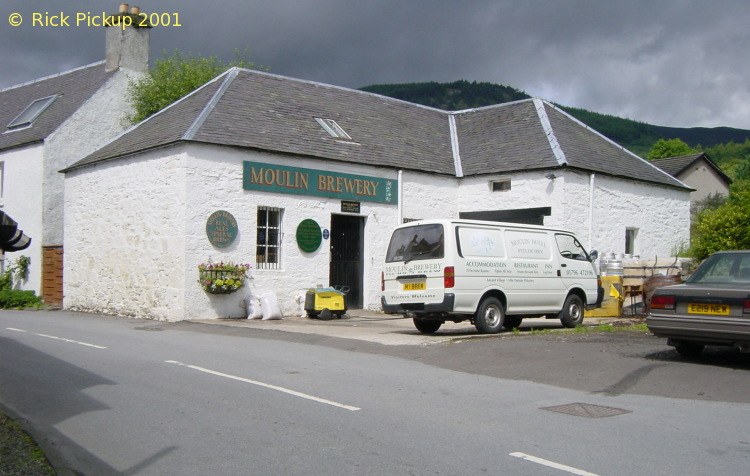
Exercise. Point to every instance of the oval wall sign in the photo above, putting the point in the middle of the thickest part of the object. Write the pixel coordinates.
(221, 229)
(309, 235)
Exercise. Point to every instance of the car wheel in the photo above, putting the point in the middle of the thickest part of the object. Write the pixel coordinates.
(490, 316)
(427, 327)
(688, 349)
(572, 312)
(512, 322)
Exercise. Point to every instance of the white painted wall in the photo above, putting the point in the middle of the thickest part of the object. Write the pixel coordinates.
(125, 237)
(215, 181)
(33, 186)
(429, 196)
(135, 231)
(22, 200)
(528, 190)
(95, 123)
(660, 214)
(149, 233)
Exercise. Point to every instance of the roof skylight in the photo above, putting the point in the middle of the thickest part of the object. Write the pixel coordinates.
(333, 128)
(32, 112)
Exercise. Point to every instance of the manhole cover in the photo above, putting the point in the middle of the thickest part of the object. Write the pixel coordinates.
(149, 328)
(586, 410)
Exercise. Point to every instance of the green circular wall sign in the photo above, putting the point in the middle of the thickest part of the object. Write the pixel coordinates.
(309, 235)
(221, 229)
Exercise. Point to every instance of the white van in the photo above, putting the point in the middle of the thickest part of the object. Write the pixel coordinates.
(491, 273)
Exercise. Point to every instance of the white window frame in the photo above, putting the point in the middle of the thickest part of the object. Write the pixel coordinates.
(268, 255)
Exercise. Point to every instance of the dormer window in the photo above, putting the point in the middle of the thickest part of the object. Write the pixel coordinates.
(332, 128)
(32, 112)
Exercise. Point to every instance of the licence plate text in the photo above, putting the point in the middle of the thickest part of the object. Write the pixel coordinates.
(415, 286)
(718, 309)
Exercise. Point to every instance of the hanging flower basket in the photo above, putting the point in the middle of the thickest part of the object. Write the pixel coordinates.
(222, 278)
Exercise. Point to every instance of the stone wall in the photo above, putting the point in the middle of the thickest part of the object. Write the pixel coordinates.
(125, 237)
(95, 123)
(136, 227)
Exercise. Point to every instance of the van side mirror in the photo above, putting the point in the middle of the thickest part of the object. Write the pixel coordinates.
(593, 255)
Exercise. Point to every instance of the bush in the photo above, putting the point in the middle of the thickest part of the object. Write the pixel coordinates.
(726, 227)
(17, 299)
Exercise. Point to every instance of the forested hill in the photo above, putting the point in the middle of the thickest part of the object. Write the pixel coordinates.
(633, 135)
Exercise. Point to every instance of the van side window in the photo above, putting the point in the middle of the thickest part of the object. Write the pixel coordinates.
(416, 243)
(570, 248)
(473, 241)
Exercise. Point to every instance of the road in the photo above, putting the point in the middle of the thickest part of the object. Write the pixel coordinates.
(108, 395)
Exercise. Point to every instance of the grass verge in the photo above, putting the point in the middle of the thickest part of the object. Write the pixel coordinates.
(599, 328)
(19, 454)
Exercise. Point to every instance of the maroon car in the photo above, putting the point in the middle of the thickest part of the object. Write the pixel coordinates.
(712, 307)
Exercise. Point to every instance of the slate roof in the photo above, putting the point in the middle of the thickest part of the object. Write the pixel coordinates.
(674, 166)
(262, 111)
(507, 137)
(73, 88)
(533, 134)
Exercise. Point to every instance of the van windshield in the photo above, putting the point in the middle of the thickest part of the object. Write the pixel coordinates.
(416, 243)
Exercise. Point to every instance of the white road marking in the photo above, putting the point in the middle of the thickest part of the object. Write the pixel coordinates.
(267, 385)
(552, 464)
(57, 338)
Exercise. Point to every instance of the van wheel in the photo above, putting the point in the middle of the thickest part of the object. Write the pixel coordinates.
(512, 322)
(427, 327)
(572, 312)
(490, 316)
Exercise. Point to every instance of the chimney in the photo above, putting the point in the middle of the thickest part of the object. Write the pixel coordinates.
(127, 44)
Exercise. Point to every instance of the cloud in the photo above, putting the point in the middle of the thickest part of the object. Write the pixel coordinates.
(674, 62)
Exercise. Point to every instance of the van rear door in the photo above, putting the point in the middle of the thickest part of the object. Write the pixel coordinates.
(413, 275)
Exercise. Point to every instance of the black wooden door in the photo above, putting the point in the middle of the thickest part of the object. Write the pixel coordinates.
(346, 256)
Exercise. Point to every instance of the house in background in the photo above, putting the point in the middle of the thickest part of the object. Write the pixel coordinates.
(46, 125)
(699, 172)
(309, 180)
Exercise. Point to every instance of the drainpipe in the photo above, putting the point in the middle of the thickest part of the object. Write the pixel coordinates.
(591, 211)
(400, 199)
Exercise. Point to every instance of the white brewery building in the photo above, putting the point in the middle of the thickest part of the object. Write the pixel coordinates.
(305, 181)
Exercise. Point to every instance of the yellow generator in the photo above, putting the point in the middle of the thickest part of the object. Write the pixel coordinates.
(324, 303)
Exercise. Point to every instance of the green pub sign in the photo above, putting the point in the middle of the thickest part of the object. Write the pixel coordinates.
(321, 183)
(221, 228)
(309, 235)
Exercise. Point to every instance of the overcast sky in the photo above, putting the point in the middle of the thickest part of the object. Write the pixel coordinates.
(681, 63)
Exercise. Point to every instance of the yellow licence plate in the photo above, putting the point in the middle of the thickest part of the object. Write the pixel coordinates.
(414, 286)
(718, 309)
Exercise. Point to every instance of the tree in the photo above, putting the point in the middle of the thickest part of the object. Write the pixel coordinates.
(711, 202)
(172, 78)
(669, 148)
(726, 227)
(733, 158)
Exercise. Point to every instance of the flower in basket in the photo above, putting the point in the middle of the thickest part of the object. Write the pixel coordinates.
(223, 277)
